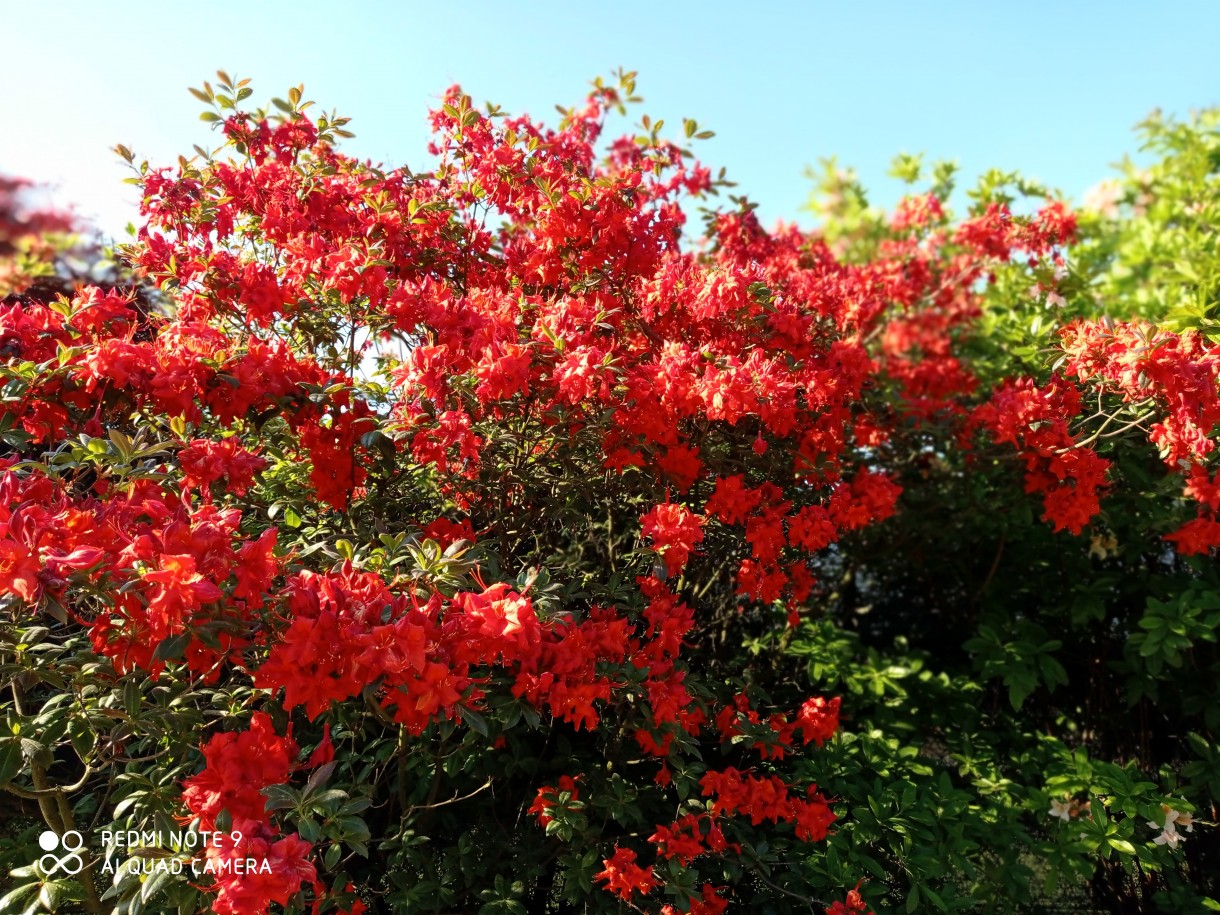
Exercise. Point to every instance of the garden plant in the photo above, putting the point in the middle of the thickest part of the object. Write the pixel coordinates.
(535, 531)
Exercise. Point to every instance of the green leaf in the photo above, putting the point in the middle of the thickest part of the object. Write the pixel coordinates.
(320, 776)
(9, 902)
(154, 884)
(476, 721)
(173, 647)
(11, 758)
(132, 698)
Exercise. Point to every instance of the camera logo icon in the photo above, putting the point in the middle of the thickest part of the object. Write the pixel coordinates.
(70, 843)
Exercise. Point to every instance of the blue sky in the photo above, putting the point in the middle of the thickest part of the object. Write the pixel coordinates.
(1050, 88)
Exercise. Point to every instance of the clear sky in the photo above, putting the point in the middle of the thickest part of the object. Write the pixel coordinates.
(1051, 88)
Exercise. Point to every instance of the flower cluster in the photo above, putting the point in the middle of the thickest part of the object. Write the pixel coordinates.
(1175, 378)
(1172, 819)
(237, 767)
(1035, 420)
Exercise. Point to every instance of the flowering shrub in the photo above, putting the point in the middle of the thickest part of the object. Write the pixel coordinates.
(30, 237)
(453, 539)
(1033, 677)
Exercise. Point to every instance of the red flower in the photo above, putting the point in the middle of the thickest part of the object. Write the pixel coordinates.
(256, 870)
(256, 568)
(688, 838)
(177, 590)
(623, 876)
(813, 817)
(1201, 535)
(205, 462)
(818, 719)
(323, 753)
(854, 904)
(674, 531)
(550, 798)
(706, 903)
(237, 767)
(19, 569)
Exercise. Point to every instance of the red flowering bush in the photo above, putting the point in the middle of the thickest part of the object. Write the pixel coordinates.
(30, 236)
(1046, 658)
(439, 542)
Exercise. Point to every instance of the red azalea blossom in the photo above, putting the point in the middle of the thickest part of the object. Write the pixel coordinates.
(818, 719)
(623, 877)
(853, 905)
(674, 531)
